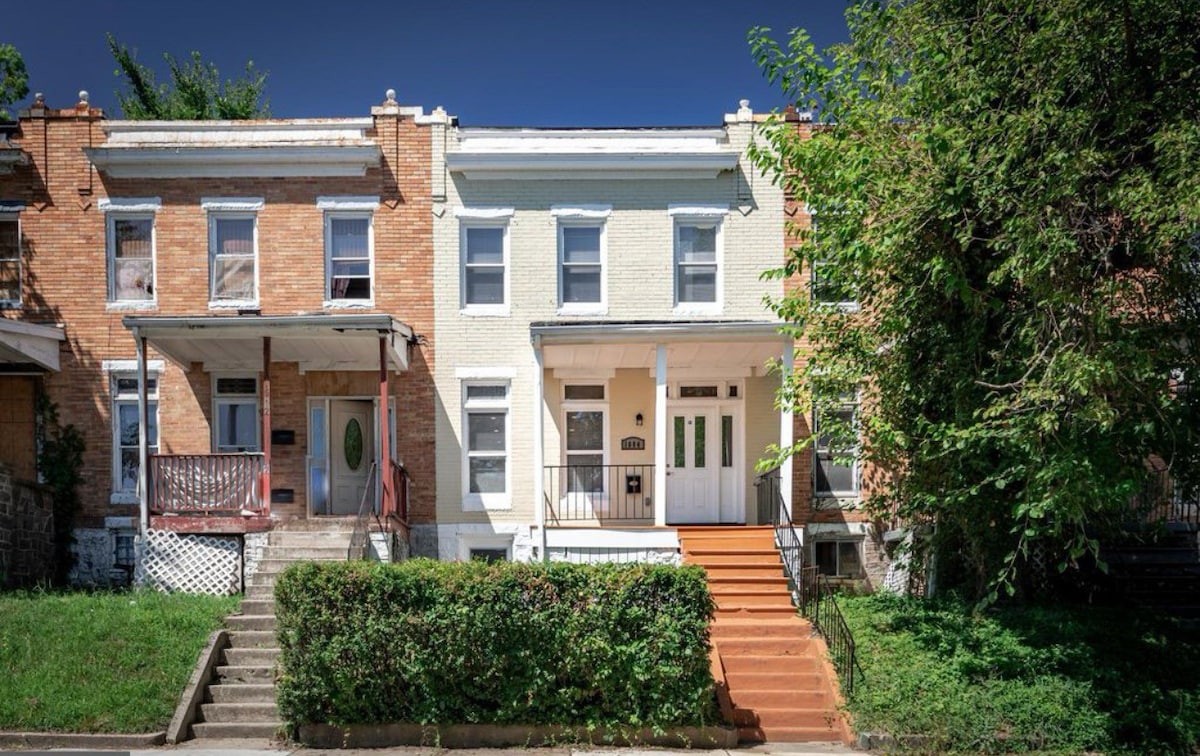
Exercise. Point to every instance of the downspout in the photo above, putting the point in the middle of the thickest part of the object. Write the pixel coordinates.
(143, 487)
(539, 442)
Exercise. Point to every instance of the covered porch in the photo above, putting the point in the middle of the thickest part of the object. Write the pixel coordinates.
(238, 360)
(641, 426)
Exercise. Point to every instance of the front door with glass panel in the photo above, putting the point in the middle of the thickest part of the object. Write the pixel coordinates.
(351, 442)
(693, 490)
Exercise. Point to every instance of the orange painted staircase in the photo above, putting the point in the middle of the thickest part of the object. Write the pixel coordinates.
(773, 677)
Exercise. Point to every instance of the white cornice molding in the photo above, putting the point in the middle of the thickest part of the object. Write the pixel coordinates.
(130, 204)
(264, 161)
(213, 204)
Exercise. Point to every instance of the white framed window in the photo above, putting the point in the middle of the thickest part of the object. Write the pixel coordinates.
(585, 437)
(349, 257)
(698, 263)
(10, 257)
(835, 476)
(582, 258)
(236, 424)
(232, 251)
(828, 290)
(488, 548)
(838, 558)
(485, 283)
(131, 257)
(125, 426)
(486, 432)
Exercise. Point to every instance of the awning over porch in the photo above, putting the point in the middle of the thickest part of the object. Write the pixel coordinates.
(315, 342)
(28, 347)
(733, 347)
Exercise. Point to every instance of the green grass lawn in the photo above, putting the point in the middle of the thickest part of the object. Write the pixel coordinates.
(99, 662)
(1057, 679)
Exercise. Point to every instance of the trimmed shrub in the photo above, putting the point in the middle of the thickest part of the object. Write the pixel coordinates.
(446, 642)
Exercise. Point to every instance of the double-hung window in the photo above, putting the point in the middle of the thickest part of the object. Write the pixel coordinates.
(483, 247)
(828, 286)
(236, 424)
(486, 444)
(836, 465)
(10, 256)
(584, 406)
(349, 250)
(130, 245)
(232, 251)
(126, 466)
(581, 280)
(698, 258)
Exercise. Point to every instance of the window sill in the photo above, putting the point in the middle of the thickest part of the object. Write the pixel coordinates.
(9, 304)
(485, 311)
(348, 304)
(131, 306)
(593, 311)
(845, 500)
(697, 308)
(123, 498)
(847, 307)
(227, 305)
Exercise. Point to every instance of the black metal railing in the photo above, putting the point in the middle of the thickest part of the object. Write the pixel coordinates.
(1163, 499)
(811, 591)
(619, 493)
(360, 537)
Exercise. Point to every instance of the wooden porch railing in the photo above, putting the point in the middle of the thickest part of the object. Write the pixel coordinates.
(207, 484)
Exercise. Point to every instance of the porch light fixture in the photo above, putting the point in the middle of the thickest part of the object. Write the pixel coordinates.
(637, 420)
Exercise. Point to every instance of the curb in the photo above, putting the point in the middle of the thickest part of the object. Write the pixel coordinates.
(508, 736)
(80, 741)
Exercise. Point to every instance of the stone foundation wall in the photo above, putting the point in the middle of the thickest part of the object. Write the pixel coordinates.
(26, 532)
(94, 557)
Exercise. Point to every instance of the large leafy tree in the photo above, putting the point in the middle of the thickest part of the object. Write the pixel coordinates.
(1011, 191)
(14, 81)
(196, 91)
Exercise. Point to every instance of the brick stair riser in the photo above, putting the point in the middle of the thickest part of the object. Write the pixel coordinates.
(781, 699)
(782, 681)
(249, 674)
(251, 622)
(777, 647)
(259, 693)
(793, 629)
(716, 560)
(239, 712)
(239, 639)
(237, 730)
(752, 598)
(782, 665)
(251, 657)
(807, 718)
(746, 571)
(755, 612)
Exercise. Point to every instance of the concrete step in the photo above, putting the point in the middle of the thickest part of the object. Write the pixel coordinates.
(274, 566)
(261, 673)
(782, 681)
(251, 622)
(237, 730)
(259, 592)
(781, 699)
(760, 612)
(321, 553)
(777, 647)
(791, 664)
(251, 657)
(790, 734)
(750, 597)
(263, 580)
(239, 712)
(244, 639)
(318, 524)
(778, 717)
(793, 628)
(260, 607)
(260, 693)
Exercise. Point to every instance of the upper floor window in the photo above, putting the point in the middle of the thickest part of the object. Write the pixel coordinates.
(232, 251)
(130, 249)
(836, 466)
(698, 257)
(581, 257)
(235, 411)
(10, 257)
(349, 249)
(483, 245)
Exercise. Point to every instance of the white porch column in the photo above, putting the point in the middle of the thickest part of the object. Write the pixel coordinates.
(143, 484)
(660, 435)
(539, 443)
(786, 430)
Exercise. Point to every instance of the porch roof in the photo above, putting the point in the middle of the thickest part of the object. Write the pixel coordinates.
(28, 346)
(315, 342)
(733, 346)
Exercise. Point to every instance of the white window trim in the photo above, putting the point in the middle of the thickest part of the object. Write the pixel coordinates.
(827, 498)
(231, 204)
(130, 204)
(129, 210)
(474, 502)
(484, 221)
(694, 217)
(350, 214)
(216, 214)
(583, 221)
(845, 305)
(218, 397)
(348, 204)
(581, 212)
(122, 369)
(597, 500)
(484, 213)
(11, 213)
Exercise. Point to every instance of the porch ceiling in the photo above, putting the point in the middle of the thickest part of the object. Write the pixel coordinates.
(29, 345)
(315, 342)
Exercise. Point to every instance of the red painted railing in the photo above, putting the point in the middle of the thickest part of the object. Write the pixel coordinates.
(400, 484)
(207, 484)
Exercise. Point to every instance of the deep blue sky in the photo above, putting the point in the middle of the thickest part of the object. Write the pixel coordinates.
(504, 62)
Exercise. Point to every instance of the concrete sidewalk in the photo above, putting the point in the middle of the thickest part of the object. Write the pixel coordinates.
(257, 748)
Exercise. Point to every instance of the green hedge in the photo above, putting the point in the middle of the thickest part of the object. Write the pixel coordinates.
(441, 642)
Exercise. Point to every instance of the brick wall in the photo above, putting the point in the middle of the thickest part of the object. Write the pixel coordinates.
(64, 281)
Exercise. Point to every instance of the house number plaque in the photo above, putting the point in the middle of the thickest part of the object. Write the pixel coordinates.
(633, 443)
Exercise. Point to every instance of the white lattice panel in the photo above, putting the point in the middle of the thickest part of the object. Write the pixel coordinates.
(188, 563)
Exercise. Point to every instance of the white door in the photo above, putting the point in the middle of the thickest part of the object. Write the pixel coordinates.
(693, 490)
(351, 451)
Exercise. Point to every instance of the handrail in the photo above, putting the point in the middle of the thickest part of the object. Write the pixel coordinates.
(811, 592)
(599, 492)
(359, 537)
